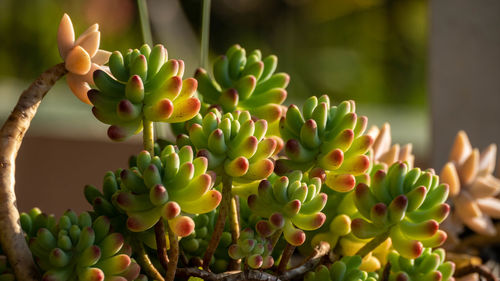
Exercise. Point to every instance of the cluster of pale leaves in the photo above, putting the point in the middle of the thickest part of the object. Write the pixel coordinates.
(384, 152)
(473, 187)
(81, 56)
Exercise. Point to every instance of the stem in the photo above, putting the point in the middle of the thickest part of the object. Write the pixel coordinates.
(148, 137)
(205, 32)
(374, 243)
(11, 136)
(285, 257)
(147, 38)
(235, 231)
(173, 254)
(144, 19)
(227, 184)
(386, 272)
(276, 237)
(319, 255)
(144, 261)
(161, 243)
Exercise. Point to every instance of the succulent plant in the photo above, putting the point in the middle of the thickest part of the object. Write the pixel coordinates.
(406, 205)
(431, 265)
(81, 57)
(345, 269)
(77, 248)
(242, 82)
(291, 204)
(326, 137)
(473, 188)
(104, 203)
(383, 153)
(233, 144)
(165, 186)
(144, 87)
(256, 250)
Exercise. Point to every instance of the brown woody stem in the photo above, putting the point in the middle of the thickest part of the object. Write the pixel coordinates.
(285, 257)
(161, 243)
(386, 272)
(173, 254)
(227, 185)
(320, 253)
(11, 137)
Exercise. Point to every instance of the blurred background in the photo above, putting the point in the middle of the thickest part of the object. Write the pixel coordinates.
(402, 61)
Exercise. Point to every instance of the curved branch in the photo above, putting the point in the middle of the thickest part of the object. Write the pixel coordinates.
(479, 269)
(11, 136)
(320, 252)
(251, 275)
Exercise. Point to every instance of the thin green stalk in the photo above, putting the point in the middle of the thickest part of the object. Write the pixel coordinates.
(227, 185)
(374, 243)
(205, 33)
(276, 237)
(147, 38)
(234, 226)
(143, 260)
(233, 221)
(148, 140)
(144, 18)
(173, 254)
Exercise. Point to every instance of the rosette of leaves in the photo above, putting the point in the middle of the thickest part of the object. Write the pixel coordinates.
(234, 145)
(326, 137)
(163, 187)
(6, 272)
(144, 87)
(255, 249)
(242, 82)
(431, 265)
(291, 204)
(383, 153)
(104, 203)
(77, 248)
(405, 205)
(473, 188)
(346, 269)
